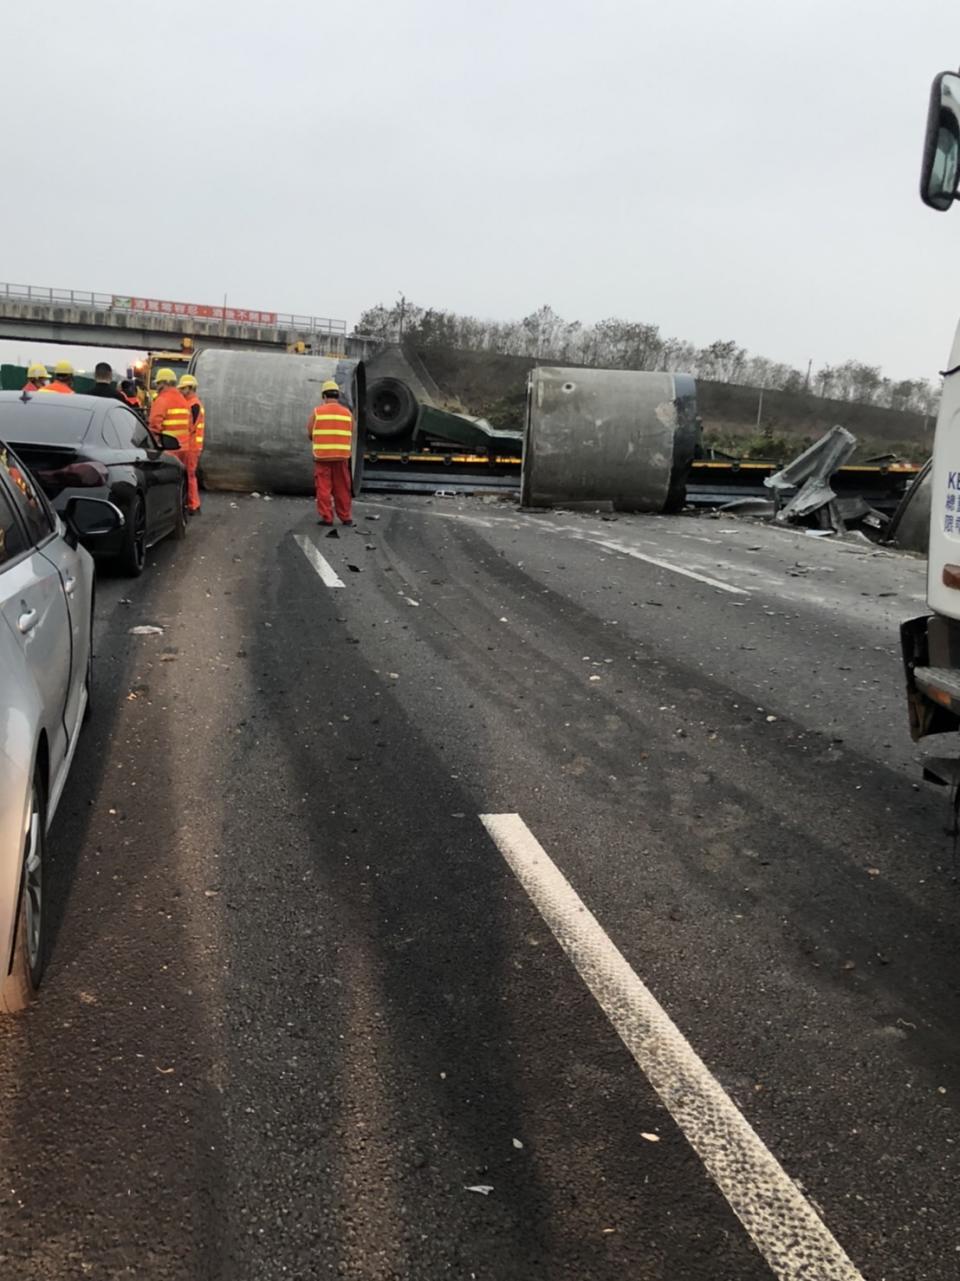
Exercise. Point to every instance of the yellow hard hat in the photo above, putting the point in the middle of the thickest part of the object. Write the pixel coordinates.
(187, 382)
(64, 367)
(38, 371)
(329, 385)
(166, 376)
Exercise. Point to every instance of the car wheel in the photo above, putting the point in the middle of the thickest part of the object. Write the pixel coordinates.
(88, 682)
(180, 528)
(134, 554)
(19, 986)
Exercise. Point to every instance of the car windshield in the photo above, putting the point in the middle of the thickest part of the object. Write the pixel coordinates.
(178, 366)
(36, 421)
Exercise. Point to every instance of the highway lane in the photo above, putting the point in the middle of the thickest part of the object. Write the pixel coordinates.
(298, 1002)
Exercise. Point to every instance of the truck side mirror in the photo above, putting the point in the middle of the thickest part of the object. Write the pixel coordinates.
(941, 147)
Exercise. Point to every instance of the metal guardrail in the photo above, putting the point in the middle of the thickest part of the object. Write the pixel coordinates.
(106, 302)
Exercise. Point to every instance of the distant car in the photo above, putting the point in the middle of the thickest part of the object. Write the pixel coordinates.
(46, 672)
(93, 447)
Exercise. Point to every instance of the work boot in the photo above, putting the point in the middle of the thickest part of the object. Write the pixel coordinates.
(346, 522)
(321, 521)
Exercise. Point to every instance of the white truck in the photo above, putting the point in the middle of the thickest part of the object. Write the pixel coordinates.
(931, 644)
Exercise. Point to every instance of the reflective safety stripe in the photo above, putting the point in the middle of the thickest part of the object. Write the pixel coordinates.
(332, 435)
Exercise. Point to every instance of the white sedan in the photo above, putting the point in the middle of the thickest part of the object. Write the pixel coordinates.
(46, 628)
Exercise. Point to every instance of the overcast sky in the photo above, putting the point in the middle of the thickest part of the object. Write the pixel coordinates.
(744, 170)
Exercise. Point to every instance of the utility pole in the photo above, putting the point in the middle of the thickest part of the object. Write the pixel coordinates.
(403, 306)
(760, 408)
(806, 381)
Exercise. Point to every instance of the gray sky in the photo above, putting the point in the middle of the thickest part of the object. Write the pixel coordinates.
(744, 170)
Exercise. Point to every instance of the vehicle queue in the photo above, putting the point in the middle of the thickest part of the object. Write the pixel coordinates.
(77, 470)
(86, 475)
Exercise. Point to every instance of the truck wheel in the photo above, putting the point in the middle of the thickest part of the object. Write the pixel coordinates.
(391, 408)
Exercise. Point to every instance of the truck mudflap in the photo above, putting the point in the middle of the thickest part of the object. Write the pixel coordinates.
(932, 709)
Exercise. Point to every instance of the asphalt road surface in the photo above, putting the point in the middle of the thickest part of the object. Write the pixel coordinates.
(554, 898)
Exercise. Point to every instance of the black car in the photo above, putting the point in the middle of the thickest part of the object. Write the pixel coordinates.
(94, 447)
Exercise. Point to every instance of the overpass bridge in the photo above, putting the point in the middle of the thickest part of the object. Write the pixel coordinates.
(37, 314)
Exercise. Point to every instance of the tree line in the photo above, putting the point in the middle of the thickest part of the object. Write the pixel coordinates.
(629, 344)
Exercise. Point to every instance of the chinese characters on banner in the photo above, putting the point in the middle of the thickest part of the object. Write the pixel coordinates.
(154, 306)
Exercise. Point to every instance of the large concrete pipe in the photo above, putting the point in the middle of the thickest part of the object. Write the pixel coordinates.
(614, 436)
(257, 406)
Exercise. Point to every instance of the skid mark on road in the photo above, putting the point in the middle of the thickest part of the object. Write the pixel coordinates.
(781, 1222)
(325, 570)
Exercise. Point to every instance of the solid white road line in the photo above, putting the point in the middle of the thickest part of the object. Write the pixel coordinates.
(666, 564)
(782, 1223)
(323, 567)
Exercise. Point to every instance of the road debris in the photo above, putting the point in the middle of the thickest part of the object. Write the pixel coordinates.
(483, 1188)
(145, 629)
(651, 1138)
(332, 534)
(803, 494)
(518, 1145)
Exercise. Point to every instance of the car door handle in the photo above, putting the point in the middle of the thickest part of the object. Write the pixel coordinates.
(69, 585)
(28, 620)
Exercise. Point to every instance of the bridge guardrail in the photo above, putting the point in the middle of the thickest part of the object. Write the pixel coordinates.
(230, 315)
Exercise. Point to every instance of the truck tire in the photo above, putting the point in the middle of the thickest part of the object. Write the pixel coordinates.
(391, 409)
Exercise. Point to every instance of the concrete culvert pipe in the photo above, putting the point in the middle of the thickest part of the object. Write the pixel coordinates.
(257, 405)
(621, 437)
(909, 526)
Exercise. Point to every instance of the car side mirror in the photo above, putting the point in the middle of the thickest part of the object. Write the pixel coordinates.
(941, 146)
(168, 442)
(91, 518)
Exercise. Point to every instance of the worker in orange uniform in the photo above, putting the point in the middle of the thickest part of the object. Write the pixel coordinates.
(62, 379)
(37, 377)
(330, 429)
(170, 413)
(191, 460)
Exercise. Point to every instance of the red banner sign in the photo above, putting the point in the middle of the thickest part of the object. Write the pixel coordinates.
(233, 315)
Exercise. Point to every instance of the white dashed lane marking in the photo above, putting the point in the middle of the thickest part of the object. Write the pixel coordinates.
(626, 550)
(781, 1222)
(328, 575)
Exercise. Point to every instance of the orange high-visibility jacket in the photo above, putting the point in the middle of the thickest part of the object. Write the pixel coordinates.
(171, 413)
(331, 431)
(199, 418)
(62, 388)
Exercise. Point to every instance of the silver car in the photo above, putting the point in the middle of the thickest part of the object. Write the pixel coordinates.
(46, 627)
